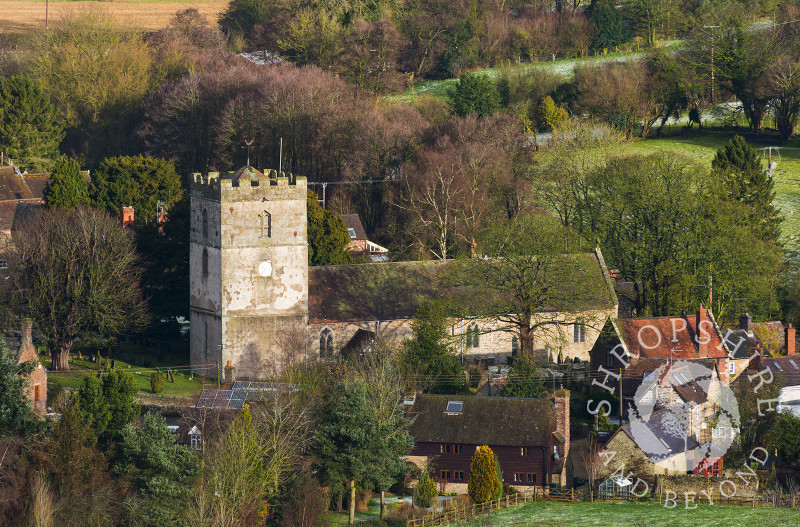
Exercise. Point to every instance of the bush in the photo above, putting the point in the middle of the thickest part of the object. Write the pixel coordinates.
(157, 382)
(375, 522)
(425, 491)
(396, 522)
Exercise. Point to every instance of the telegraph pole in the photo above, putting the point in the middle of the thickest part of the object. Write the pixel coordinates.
(712, 28)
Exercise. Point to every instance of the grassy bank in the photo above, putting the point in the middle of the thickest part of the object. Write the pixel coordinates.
(633, 514)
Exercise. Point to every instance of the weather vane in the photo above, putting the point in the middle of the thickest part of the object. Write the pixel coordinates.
(248, 144)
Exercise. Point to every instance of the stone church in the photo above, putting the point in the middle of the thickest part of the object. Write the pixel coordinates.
(256, 305)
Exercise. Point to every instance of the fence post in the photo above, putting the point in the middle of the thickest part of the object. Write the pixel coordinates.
(572, 495)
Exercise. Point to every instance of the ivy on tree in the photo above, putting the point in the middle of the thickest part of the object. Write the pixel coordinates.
(30, 130)
(67, 187)
(327, 235)
(136, 181)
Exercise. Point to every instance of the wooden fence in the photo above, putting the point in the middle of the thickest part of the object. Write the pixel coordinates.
(456, 513)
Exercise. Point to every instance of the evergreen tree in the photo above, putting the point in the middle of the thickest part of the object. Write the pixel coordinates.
(425, 490)
(739, 167)
(67, 186)
(549, 115)
(327, 235)
(526, 381)
(137, 181)
(161, 470)
(485, 482)
(30, 130)
(609, 24)
(109, 404)
(475, 93)
(15, 406)
(427, 357)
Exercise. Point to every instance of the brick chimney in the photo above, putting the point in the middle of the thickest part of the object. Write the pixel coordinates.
(703, 332)
(561, 400)
(37, 380)
(27, 332)
(127, 217)
(791, 342)
(746, 322)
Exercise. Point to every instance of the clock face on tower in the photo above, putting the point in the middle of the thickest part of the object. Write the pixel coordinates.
(265, 268)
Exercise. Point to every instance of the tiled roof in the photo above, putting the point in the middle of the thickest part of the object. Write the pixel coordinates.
(37, 183)
(353, 221)
(13, 186)
(666, 337)
(14, 214)
(501, 421)
(660, 435)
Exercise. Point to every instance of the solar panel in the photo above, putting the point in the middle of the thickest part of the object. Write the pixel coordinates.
(454, 406)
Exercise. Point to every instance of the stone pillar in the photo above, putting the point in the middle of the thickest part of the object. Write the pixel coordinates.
(562, 416)
(230, 373)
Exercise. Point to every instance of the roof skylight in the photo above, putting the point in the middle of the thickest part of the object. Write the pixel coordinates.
(454, 407)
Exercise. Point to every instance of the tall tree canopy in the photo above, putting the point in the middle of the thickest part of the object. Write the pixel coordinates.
(67, 186)
(77, 274)
(30, 128)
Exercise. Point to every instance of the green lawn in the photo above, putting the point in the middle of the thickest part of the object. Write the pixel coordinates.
(634, 514)
(339, 518)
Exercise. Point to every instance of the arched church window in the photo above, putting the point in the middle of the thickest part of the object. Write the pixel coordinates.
(326, 343)
(205, 263)
(205, 225)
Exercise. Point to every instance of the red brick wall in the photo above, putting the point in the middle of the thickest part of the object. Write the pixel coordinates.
(37, 381)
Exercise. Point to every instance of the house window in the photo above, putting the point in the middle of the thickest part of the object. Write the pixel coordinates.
(3, 264)
(731, 367)
(445, 474)
(458, 475)
(36, 393)
(473, 336)
(196, 441)
(719, 433)
(524, 451)
(579, 330)
(610, 358)
(205, 225)
(514, 346)
(532, 478)
(205, 263)
(265, 221)
(326, 343)
(519, 477)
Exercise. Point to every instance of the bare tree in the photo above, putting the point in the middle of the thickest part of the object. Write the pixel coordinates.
(77, 274)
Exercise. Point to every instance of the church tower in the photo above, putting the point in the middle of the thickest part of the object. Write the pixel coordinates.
(248, 265)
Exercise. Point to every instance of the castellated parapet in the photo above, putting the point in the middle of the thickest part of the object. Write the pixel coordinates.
(238, 186)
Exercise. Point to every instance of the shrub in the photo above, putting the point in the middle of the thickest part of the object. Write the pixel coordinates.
(425, 491)
(485, 483)
(396, 522)
(375, 522)
(157, 382)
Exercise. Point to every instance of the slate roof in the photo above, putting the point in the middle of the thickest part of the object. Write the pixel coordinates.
(13, 186)
(14, 214)
(353, 221)
(787, 368)
(37, 183)
(395, 290)
(660, 436)
(494, 421)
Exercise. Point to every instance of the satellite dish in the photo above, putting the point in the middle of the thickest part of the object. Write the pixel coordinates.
(265, 268)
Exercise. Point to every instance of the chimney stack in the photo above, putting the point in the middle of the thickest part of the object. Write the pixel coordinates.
(791, 343)
(702, 332)
(127, 217)
(562, 416)
(27, 331)
(746, 322)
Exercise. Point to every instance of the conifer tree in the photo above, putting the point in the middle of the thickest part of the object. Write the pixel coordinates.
(739, 167)
(327, 235)
(67, 186)
(475, 93)
(485, 481)
(425, 490)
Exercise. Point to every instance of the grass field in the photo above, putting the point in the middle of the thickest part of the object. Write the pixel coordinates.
(633, 514)
(23, 16)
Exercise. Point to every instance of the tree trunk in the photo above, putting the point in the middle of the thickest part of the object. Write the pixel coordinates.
(352, 502)
(526, 342)
(383, 503)
(61, 358)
